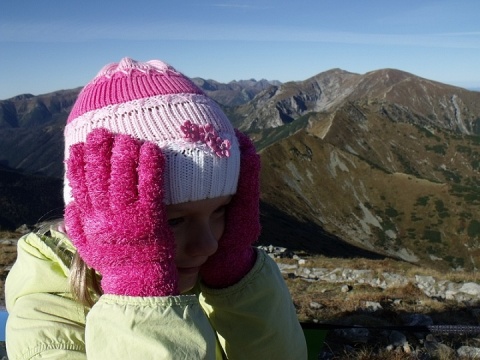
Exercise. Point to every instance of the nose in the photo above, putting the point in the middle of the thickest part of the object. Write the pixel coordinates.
(202, 242)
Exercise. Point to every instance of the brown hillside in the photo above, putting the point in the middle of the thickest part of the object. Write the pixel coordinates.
(393, 188)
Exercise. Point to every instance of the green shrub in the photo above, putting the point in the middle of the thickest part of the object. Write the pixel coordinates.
(391, 212)
(463, 149)
(414, 217)
(475, 164)
(433, 236)
(441, 209)
(422, 201)
(473, 229)
(455, 261)
(437, 149)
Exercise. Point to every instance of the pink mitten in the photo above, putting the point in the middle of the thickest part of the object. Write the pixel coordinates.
(235, 255)
(117, 219)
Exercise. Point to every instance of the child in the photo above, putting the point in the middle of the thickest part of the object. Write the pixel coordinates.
(162, 209)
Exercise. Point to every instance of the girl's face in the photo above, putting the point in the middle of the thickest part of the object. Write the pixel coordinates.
(197, 226)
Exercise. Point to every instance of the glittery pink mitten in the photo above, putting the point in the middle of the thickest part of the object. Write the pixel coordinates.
(117, 219)
(235, 256)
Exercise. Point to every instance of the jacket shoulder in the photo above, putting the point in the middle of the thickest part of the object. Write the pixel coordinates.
(53, 246)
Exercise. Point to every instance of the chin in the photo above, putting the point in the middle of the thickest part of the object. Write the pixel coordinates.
(187, 282)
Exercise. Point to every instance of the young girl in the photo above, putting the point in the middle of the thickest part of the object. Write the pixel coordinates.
(155, 260)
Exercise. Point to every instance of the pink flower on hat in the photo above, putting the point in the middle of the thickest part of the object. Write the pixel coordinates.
(223, 148)
(206, 134)
(191, 131)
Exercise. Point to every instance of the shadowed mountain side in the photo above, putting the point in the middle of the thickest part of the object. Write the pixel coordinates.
(28, 110)
(33, 150)
(281, 229)
(28, 199)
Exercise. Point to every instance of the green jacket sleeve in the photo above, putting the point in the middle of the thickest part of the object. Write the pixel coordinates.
(45, 322)
(255, 318)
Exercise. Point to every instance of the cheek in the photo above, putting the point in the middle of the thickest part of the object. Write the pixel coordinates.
(218, 227)
(180, 241)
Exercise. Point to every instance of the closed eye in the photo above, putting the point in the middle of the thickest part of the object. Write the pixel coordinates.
(220, 209)
(175, 221)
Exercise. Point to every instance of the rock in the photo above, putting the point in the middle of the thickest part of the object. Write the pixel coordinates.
(373, 306)
(470, 288)
(315, 305)
(418, 320)
(304, 272)
(396, 338)
(23, 229)
(406, 348)
(356, 335)
(394, 280)
(357, 275)
(285, 267)
(277, 251)
(450, 295)
(319, 273)
(424, 280)
(443, 289)
(437, 349)
(469, 352)
(426, 284)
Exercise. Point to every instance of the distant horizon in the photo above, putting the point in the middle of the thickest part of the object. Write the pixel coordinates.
(474, 88)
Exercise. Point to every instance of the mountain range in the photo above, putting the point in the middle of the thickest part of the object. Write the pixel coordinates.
(382, 164)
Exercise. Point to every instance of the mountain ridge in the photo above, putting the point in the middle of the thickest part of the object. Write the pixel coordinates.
(386, 162)
(280, 106)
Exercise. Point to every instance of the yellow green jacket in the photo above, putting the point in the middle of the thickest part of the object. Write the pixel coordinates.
(253, 319)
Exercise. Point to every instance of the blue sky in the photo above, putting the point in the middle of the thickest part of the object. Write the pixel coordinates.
(48, 45)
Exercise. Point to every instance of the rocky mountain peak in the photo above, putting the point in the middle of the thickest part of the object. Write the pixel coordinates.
(234, 93)
(432, 102)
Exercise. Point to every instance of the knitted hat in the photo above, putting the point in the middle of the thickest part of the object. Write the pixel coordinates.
(152, 101)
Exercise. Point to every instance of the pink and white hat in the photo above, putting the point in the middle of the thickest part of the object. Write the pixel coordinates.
(152, 101)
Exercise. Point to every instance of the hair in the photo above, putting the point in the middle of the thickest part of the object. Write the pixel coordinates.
(84, 281)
